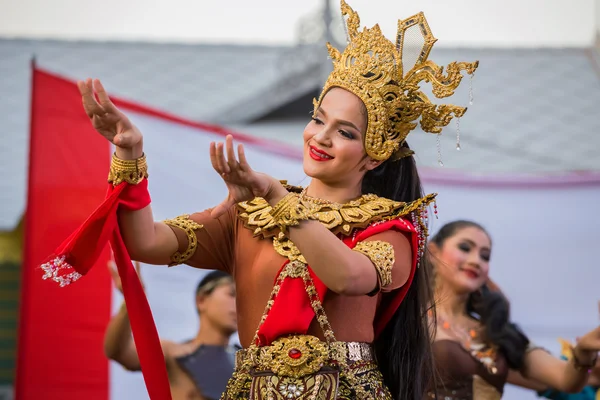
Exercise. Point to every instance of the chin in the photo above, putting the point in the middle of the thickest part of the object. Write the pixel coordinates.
(314, 171)
(473, 287)
(467, 287)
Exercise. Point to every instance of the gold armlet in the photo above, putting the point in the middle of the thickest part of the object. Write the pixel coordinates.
(189, 227)
(381, 255)
(130, 171)
(290, 211)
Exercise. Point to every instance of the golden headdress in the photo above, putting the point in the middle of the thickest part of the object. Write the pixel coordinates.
(386, 77)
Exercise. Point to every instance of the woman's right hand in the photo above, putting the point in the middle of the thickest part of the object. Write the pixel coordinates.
(109, 121)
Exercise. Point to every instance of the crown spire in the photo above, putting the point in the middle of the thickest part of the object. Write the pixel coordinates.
(386, 76)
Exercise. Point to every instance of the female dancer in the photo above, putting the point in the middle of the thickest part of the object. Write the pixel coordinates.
(354, 323)
(477, 349)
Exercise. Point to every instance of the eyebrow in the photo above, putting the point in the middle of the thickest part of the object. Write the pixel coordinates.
(339, 121)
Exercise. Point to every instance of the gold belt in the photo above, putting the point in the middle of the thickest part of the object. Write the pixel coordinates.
(300, 355)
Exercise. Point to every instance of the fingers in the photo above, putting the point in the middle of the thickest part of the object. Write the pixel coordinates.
(224, 167)
(242, 156)
(231, 159)
(90, 105)
(214, 159)
(212, 150)
(217, 158)
(105, 101)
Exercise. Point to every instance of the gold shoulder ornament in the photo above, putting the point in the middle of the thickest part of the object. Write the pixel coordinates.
(340, 219)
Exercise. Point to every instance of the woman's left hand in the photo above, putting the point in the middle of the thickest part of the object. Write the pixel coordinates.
(243, 183)
(588, 346)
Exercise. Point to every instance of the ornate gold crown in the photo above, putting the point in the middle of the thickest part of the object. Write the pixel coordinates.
(386, 77)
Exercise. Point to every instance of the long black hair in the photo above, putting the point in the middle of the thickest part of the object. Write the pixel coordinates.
(490, 307)
(403, 349)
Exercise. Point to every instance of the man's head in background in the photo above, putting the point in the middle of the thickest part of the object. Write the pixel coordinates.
(215, 301)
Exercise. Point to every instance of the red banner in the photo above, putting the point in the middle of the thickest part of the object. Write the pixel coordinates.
(61, 330)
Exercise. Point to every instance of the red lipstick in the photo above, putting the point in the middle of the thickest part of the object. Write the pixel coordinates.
(318, 155)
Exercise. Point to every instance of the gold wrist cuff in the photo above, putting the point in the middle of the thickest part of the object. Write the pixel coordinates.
(130, 171)
(189, 226)
(381, 255)
(290, 211)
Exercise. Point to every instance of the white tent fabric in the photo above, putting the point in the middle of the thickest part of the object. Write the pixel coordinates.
(544, 239)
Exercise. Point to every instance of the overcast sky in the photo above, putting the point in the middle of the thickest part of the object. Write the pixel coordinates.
(456, 23)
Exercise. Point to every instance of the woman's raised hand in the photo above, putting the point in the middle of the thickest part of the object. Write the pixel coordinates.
(242, 181)
(109, 121)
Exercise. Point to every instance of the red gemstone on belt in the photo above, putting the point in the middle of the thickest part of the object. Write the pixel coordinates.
(295, 354)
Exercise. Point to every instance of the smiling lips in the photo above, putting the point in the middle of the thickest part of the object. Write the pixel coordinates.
(470, 273)
(318, 155)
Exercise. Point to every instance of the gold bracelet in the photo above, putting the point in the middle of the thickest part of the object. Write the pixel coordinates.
(130, 171)
(289, 211)
(381, 255)
(189, 226)
(280, 208)
(582, 367)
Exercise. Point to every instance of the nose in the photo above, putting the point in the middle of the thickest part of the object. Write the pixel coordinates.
(323, 137)
(474, 260)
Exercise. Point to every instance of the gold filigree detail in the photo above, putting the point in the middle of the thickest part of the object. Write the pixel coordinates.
(286, 248)
(381, 255)
(366, 384)
(338, 218)
(130, 171)
(189, 226)
(320, 386)
(290, 211)
(387, 78)
(294, 356)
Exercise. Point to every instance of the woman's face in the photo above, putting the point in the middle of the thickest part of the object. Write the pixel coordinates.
(333, 141)
(462, 263)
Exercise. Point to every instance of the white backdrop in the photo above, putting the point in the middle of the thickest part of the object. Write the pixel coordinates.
(544, 239)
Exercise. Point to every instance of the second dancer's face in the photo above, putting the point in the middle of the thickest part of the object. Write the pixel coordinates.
(333, 141)
(463, 262)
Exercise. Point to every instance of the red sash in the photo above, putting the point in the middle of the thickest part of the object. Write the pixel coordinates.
(292, 313)
(78, 254)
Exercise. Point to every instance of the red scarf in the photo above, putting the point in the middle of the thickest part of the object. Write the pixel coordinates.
(78, 254)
